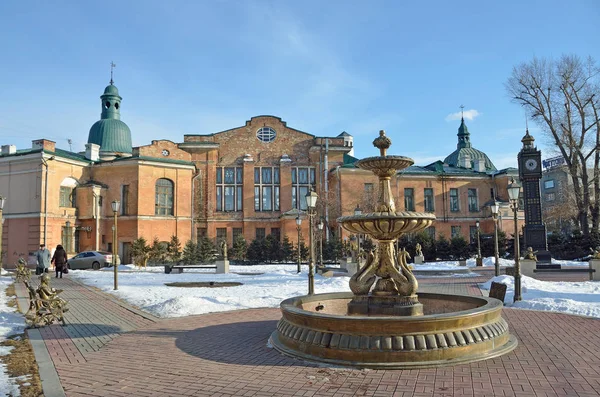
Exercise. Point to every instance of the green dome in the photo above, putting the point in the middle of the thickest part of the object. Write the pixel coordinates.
(464, 149)
(454, 159)
(112, 135)
(111, 90)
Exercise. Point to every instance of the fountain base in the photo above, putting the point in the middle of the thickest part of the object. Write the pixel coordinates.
(370, 305)
(453, 329)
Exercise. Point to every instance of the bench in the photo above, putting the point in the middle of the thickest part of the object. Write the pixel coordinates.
(179, 268)
(567, 270)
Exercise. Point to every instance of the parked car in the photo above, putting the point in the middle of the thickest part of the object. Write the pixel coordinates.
(92, 260)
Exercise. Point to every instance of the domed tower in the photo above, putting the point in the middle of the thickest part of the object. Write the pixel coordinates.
(466, 156)
(113, 135)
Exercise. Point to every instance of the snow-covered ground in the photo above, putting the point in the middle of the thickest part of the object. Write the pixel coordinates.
(11, 323)
(582, 298)
(147, 289)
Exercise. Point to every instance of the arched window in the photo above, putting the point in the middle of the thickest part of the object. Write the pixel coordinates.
(68, 197)
(163, 197)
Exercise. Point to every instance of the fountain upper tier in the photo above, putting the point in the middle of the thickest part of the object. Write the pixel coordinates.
(385, 223)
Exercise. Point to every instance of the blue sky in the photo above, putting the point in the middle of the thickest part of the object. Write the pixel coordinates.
(196, 67)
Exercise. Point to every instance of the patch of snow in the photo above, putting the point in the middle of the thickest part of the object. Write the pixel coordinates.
(147, 289)
(11, 323)
(581, 298)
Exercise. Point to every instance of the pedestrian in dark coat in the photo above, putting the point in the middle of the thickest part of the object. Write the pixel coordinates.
(60, 260)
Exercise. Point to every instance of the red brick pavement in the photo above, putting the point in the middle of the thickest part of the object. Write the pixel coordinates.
(225, 354)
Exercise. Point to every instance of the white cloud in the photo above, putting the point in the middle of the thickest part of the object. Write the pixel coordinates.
(470, 114)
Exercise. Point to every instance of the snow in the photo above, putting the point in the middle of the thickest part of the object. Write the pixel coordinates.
(147, 289)
(267, 285)
(581, 298)
(11, 323)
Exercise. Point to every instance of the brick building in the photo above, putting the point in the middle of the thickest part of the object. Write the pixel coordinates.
(249, 180)
(54, 196)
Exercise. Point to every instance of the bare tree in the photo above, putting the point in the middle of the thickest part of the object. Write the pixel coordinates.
(562, 97)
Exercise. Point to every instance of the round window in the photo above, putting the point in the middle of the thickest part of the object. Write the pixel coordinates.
(117, 105)
(107, 104)
(266, 134)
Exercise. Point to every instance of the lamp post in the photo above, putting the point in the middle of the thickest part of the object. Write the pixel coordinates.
(115, 207)
(298, 224)
(357, 212)
(513, 194)
(67, 236)
(2, 201)
(311, 203)
(495, 208)
(320, 225)
(479, 261)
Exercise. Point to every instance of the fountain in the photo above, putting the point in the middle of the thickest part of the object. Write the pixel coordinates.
(383, 322)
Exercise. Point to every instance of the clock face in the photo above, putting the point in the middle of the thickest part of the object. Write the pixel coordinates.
(531, 164)
(165, 152)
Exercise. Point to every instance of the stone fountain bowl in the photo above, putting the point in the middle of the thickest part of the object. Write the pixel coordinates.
(454, 329)
(387, 225)
(376, 164)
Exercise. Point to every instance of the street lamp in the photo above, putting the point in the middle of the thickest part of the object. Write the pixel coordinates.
(320, 226)
(479, 260)
(495, 208)
(311, 203)
(115, 207)
(514, 189)
(357, 212)
(298, 224)
(67, 236)
(2, 201)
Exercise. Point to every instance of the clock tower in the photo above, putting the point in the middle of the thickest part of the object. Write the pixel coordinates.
(530, 173)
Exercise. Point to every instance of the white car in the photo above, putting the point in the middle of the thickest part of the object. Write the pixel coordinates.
(92, 260)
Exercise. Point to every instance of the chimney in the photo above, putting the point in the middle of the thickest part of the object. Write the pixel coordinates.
(92, 151)
(8, 149)
(465, 161)
(44, 144)
(479, 165)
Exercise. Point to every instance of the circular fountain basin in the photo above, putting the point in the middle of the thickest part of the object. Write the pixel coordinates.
(454, 329)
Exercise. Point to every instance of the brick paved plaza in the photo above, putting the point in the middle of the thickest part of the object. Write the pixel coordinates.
(111, 349)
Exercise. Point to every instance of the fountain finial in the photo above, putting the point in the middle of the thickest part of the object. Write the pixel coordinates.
(382, 143)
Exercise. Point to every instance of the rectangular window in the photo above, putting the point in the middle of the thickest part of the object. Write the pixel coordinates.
(124, 199)
(266, 188)
(221, 235)
(431, 231)
(276, 232)
(454, 204)
(236, 232)
(550, 197)
(229, 189)
(428, 199)
(473, 234)
(473, 201)
(549, 184)
(409, 199)
(260, 233)
(303, 178)
(368, 188)
(454, 231)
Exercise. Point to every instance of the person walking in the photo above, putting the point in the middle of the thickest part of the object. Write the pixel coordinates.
(60, 260)
(43, 260)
